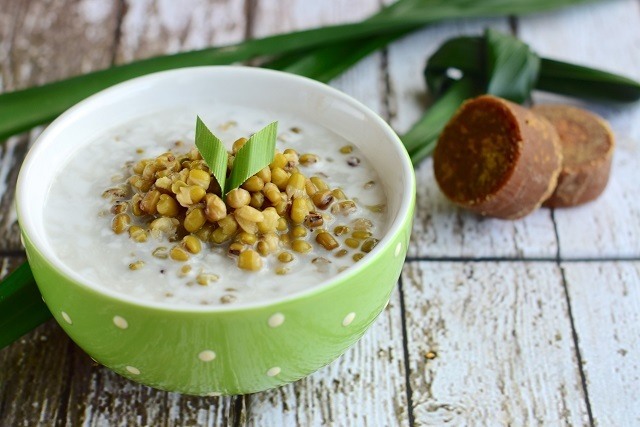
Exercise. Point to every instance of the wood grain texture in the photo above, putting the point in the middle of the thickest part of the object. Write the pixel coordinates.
(491, 344)
(440, 229)
(34, 48)
(280, 16)
(365, 81)
(604, 35)
(155, 27)
(366, 386)
(102, 398)
(605, 300)
(33, 372)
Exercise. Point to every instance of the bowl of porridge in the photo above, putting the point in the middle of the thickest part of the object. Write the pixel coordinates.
(162, 276)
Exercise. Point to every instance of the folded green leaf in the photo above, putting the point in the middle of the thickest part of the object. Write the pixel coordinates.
(511, 67)
(505, 66)
(460, 55)
(502, 65)
(213, 152)
(254, 155)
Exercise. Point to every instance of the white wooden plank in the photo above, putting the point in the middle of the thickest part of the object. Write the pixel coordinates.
(440, 229)
(365, 81)
(605, 301)
(32, 53)
(281, 16)
(102, 398)
(10, 15)
(366, 385)
(34, 41)
(491, 344)
(27, 365)
(154, 27)
(603, 35)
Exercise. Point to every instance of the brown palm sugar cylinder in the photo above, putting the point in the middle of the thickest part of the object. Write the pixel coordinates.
(587, 145)
(497, 158)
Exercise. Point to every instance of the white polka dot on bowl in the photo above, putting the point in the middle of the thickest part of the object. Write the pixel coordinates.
(276, 320)
(273, 371)
(66, 318)
(120, 322)
(398, 249)
(348, 319)
(133, 370)
(207, 355)
(214, 394)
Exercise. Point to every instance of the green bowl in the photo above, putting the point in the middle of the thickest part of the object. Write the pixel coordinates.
(231, 349)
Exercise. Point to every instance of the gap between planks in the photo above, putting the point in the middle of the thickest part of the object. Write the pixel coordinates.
(121, 12)
(574, 332)
(406, 353)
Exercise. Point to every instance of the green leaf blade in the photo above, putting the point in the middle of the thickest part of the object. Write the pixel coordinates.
(21, 305)
(511, 67)
(584, 82)
(254, 155)
(213, 152)
(464, 54)
(421, 139)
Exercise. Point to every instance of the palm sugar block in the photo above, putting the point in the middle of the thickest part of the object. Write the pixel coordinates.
(587, 145)
(497, 158)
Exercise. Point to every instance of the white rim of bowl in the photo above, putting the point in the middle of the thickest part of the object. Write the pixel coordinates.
(26, 218)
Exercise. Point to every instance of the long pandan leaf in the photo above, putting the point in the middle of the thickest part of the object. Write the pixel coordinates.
(21, 306)
(24, 109)
(583, 82)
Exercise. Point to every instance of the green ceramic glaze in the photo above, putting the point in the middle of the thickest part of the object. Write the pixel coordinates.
(255, 348)
(224, 350)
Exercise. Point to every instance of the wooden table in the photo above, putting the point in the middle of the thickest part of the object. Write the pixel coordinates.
(531, 322)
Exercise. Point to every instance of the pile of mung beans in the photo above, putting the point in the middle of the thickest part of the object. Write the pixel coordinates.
(276, 212)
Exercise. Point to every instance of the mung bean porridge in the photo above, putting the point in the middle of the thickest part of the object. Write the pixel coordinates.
(153, 232)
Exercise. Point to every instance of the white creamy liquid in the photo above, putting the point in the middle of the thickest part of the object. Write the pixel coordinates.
(78, 223)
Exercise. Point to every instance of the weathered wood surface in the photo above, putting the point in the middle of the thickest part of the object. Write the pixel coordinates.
(154, 27)
(524, 339)
(35, 37)
(606, 307)
(522, 344)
